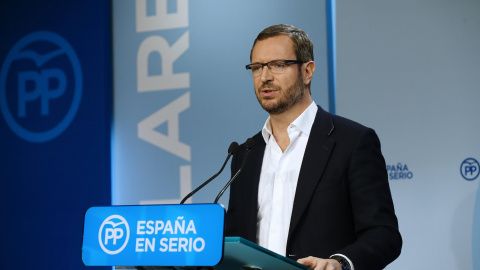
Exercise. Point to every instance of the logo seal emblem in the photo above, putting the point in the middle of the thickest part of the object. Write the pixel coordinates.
(470, 169)
(113, 229)
(40, 86)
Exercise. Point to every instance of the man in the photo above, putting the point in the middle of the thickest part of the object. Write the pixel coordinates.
(314, 187)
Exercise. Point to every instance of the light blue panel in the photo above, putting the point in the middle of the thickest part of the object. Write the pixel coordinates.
(222, 105)
(476, 233)
(409, 69)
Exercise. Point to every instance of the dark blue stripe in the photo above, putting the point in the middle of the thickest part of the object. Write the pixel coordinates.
(331, 64)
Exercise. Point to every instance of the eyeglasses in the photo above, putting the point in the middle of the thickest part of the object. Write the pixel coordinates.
(275, 66)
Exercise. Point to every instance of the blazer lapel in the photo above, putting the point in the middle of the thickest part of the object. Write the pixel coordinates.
(317, 154)
(252, 172)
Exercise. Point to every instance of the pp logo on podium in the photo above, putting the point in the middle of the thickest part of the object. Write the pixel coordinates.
(113, 234)
(40, 86)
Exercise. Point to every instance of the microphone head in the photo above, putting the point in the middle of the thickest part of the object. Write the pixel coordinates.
(233, 148)
(249, 143)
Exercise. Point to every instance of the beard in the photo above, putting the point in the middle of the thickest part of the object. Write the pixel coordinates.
(288, 97)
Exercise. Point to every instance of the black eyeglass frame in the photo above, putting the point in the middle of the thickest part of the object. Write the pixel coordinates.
(289, 62)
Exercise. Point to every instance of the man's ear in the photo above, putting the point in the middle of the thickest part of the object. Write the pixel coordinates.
(308, 72)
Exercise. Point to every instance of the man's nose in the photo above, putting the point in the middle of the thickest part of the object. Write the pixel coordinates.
(266, 74)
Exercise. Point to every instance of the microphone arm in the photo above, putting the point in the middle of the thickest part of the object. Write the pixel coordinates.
(231, 150)
(248, 147)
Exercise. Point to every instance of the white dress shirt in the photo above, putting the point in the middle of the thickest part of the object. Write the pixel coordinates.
(278, 181)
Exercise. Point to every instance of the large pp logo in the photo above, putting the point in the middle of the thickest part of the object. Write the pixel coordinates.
(114, 234)
(40, 86)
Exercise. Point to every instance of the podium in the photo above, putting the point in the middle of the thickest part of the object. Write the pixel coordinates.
(157, 237)
(239, 254)
(243, 254)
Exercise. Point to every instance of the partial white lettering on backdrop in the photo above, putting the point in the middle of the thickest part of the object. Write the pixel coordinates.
(168, 80)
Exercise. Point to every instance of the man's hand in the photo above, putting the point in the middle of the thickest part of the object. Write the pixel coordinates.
(320, 264)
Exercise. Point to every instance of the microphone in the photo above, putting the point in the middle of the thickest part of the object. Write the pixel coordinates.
(231, 150)
(248, 147)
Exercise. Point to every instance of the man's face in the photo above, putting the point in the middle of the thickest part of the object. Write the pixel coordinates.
(276, 93)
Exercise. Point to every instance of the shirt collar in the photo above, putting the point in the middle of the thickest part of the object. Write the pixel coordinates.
(303, 122)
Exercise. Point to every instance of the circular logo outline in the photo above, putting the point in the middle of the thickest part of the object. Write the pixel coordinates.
(65, 122)
(126, 239)
(473, 161)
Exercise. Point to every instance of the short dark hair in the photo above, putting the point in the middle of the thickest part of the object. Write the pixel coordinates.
(302, 44)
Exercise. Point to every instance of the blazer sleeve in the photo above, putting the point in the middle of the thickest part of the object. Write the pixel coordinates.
(376, 227)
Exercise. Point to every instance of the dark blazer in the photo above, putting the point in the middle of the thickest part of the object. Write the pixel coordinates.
(342, 203)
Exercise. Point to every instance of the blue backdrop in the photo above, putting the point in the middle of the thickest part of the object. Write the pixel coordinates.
(55, 100)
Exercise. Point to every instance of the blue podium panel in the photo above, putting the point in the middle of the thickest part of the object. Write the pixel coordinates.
(154, 235)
